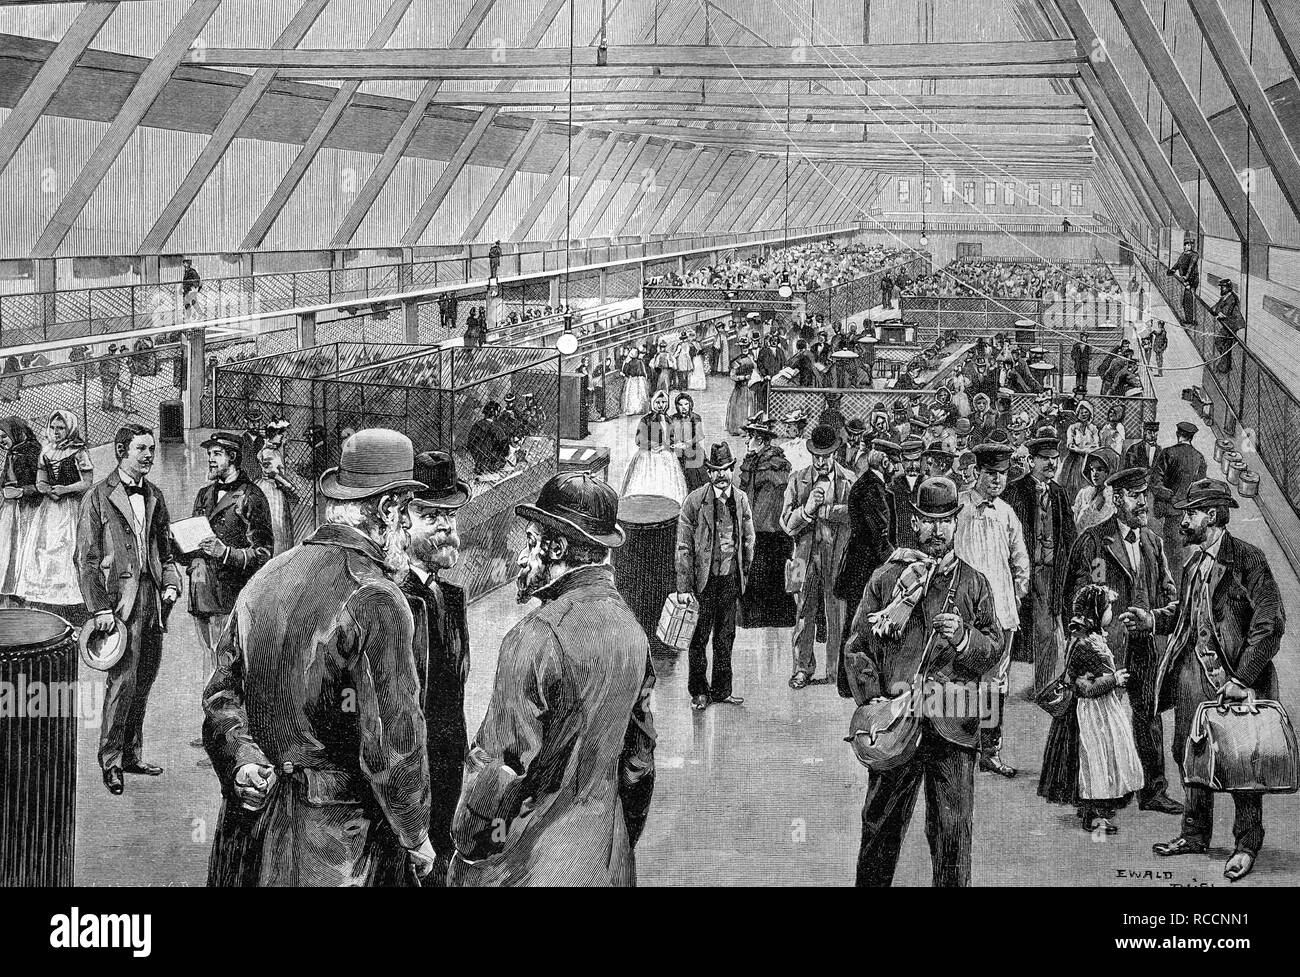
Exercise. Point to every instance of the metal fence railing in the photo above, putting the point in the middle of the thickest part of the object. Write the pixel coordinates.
(35, 317)
(1247, 397)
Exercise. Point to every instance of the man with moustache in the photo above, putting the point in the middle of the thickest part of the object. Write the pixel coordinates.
(903, 485)
(559, 777)
(815, 514)
(1228, 628)
(313, 716)
(1045, 515)
(1123, 553)
(441, 641)
(128, 575)
(240, 544)
(923, 595)
(715, 549)
(1145, 454)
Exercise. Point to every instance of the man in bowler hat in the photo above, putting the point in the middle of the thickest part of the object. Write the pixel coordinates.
(313, 716)
(1221, 648)
(815, 514)
(559, 777)
(929, 615)
(441, 642)
(715, 548)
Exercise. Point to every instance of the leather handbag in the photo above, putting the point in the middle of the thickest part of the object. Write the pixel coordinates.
(1248, 745)
(885, 732)
(1057, 698)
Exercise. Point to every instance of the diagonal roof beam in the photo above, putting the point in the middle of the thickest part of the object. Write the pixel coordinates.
(1213, 161)
(338, 104)
(757, 175)
(1115, 137)
(22, 117)
(503, 179)
(666, 197)
(396, 147)
(697, 192)
(226, 131)
(755, 208)
(579, 190)
(1101, 79)
(724, 196)
(423, 217)
(547, 191)
(107, 150)
(1277, 147)
(643, 187)
(614, 185)
(1284, 15)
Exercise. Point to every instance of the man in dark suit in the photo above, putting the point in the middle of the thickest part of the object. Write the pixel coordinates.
(1044, 512)
(1124, 554)
(872, 533)
(241, 543)
(124, 561)
(1223, 640)
(1176, 468)
(441, 642)
(1144, 454)
(915, 599)
(902, 486)
(1081, 358)
(1187, 269)
(715, 548)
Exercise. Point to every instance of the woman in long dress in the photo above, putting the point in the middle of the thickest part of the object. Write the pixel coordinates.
(18, 471)
(688, 441)
(636, 392)
(48, 574)
(959, 384)
(740, 404)
(654, 469)
(1081, 440)
(764, 472)
(699, 378)
(1094, 503)
(281, 496)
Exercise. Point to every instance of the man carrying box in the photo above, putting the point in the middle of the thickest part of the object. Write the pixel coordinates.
(715, 547)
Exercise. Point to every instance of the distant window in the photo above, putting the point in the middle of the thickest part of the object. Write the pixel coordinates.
(1056, 195)
(904, 191)
(990, 193)
(1033, 194)
(948, 190)
(1076, 194)
(968, 191)
(927, 192)
(1009, 194)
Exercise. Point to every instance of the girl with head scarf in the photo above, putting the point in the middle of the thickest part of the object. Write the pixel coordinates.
(1094, 503)
(687, 432)
(20, 457)
(1081, 440)
(1090, 760)
(740, 405)
(48, 572)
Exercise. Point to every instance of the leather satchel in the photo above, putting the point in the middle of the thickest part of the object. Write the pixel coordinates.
(885, 732)
(1248, 745)
(1057, 698)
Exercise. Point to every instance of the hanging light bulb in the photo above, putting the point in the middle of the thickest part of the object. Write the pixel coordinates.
(567, 343)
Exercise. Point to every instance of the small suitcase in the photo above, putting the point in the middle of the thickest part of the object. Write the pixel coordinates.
(677, 622)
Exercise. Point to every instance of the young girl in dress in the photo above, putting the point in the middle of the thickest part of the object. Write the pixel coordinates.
(1095, 502)
(20, 460)
(1081, 440)
(1091, 760)
(48, 571)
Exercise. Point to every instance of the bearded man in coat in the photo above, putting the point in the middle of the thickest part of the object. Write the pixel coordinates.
(312, 718)
(559, 777)
(441, 643)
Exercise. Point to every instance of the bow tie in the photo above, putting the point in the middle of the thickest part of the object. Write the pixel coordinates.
(1131, 536)
(133, 489)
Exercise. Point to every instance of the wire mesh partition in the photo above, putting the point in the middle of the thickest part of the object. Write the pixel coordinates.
(1247, 397)
(105, 393)
(440, 400)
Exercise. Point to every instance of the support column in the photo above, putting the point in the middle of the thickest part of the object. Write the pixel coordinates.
(150, 269)
(602, 291)
(246, 264)
(306, 330)
(44, 274)
(553, 298)
(195, 376)
(411, 311)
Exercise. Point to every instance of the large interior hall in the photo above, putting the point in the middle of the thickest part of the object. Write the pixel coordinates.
(797, 307)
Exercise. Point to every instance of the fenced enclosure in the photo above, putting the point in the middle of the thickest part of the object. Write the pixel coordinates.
(434, 397)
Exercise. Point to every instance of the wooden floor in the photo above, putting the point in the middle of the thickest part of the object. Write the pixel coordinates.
(764, 793)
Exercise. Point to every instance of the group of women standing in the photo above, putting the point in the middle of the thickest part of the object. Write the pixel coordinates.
(43, 483)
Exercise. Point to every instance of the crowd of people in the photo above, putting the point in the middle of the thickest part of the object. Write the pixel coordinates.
(1002, 278)
(804, 267)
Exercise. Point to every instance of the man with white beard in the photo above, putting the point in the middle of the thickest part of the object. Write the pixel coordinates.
(313, 716)
(441, 639)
